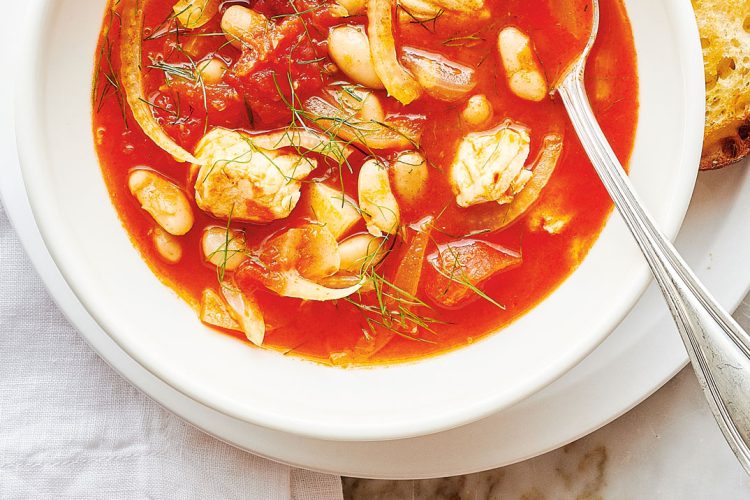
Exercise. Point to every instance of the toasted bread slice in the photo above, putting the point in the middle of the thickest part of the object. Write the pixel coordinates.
(725, 35)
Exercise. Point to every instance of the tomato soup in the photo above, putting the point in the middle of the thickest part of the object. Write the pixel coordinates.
(357, 182)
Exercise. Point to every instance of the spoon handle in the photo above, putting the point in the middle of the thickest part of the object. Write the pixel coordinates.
(718, 347)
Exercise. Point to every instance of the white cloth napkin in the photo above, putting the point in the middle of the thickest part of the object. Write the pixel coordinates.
(70, 427)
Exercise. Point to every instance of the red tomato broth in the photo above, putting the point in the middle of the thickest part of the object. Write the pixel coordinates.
(316, 330)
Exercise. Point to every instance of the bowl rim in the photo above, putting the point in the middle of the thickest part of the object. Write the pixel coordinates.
(28, 113)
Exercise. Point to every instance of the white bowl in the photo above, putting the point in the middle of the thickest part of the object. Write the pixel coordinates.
(87, 241)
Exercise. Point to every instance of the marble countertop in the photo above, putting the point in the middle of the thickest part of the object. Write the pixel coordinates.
(668, 447)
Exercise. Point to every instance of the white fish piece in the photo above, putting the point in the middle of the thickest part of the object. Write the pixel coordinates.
(241, 181)
(489, 166)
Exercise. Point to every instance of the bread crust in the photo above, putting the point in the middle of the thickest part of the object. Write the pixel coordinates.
(728, 150)
(724, 27)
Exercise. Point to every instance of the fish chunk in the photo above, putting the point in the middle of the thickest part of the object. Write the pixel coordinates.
(244, 182)
(489, 166)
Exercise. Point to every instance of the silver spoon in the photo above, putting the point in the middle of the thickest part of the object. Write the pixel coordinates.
(718, 347)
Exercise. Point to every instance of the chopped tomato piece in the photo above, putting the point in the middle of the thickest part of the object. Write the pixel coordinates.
(288, 71)
(458, 269)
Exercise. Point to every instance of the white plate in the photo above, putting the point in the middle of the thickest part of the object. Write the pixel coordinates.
(638, 357)
(154, 326)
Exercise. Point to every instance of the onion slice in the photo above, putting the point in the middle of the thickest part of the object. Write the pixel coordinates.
(299, 287)
(461, 5)
(394, 132)
(440, 77)
(245, 311)
(409, 271)
(311, 140)
(132, 81)
(406, 281)
(215, 312)
(399, 82)
(457, 269)
(286, 263)
(544, 166)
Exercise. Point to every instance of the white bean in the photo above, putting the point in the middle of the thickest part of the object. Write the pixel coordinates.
(522, 68)
(379, 206)
(350, 50)
(211, 70)
(242, 25)
(164, 201)
(410, 173)
(195, 13)
(360, 252)
(223, 247)
(478, 111)
(167, 245)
